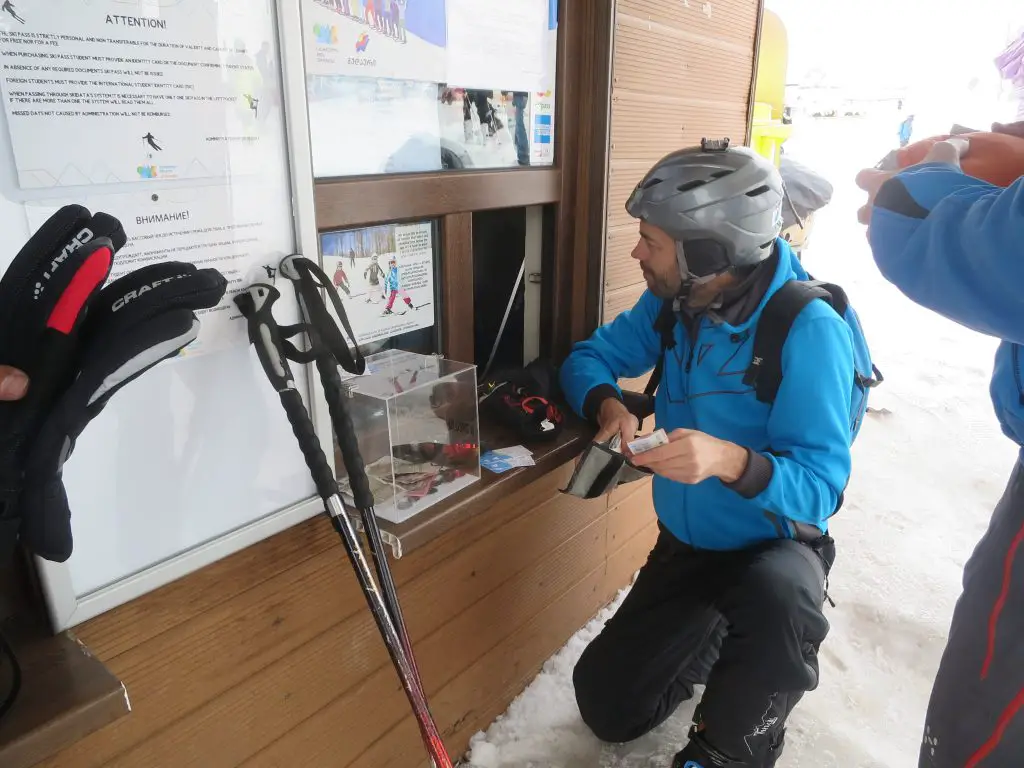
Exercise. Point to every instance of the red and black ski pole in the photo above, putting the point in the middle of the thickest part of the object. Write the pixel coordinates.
(274, 351)
(332, 350)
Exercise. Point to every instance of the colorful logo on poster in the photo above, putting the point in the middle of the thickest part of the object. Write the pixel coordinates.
(360, 59)
(147, 171)
(325, 34)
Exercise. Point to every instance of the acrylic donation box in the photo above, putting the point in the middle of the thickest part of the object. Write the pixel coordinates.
(418, 430)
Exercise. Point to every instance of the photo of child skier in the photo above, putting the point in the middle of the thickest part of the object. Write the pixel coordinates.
(341, 279)
(393, 288)
(372, 275)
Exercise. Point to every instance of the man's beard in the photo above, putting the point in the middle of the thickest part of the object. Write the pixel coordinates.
(661, 286)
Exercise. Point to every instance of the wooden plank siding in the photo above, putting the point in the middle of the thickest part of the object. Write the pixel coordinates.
(681, 71)
(270, 657)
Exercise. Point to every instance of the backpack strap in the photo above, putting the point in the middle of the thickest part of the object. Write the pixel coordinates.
(777, 317)
(665, 325)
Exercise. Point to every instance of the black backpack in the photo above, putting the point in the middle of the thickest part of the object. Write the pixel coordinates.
(765, 371)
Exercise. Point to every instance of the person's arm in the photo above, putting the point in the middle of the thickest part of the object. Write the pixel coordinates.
(808, 465)
(953, 243)
(627, 347)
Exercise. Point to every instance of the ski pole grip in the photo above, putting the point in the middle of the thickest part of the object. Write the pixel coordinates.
(256, 305)
(344, 429)
(302, 426)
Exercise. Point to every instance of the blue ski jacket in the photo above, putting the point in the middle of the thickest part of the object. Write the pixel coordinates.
(391, 282)
(804, 434)
(955, 244)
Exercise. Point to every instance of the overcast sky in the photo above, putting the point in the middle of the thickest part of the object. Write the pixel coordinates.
(918, 43)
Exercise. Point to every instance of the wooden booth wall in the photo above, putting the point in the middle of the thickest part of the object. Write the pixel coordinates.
(682, 71)
(270, 658)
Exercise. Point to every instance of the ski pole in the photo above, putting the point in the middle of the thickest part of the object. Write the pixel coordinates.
(256, 305)
(332, 350)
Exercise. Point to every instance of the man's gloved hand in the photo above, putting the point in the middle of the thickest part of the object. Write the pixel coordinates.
(78, 343)
(13, 383)
(950, 151)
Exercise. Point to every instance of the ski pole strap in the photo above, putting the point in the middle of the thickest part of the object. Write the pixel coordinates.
(331, 349)
(256, 305)
(309, 280)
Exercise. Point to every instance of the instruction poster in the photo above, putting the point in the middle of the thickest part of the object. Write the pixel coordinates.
(384, 276)
(397, 39)
(243, 233)
(166, 114)
(106, 91)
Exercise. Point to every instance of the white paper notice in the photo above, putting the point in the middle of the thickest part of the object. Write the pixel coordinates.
(240, 232)
(497, 44)
(106, 91)
(384, 276)
(382, 39)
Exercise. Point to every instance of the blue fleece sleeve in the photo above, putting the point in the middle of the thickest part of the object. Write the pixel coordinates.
(625, 348)
(809, 424)
(952, 243)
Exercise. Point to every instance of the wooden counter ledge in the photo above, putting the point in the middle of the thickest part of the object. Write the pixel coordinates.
(66, 694)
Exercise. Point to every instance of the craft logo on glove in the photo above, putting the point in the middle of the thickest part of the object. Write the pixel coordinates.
(79, 240)
(132, 295)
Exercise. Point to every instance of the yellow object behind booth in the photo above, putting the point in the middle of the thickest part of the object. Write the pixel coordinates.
(768, 133)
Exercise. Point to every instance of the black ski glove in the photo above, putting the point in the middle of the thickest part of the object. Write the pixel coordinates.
(101, 340)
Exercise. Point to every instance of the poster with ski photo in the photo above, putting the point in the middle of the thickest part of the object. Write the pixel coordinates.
(384, 276)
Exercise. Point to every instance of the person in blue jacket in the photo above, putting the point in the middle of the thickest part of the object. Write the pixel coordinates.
(906, 130)
(732, 593)
(955, 244)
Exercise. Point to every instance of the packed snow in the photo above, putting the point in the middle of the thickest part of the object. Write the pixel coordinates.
(929, 466)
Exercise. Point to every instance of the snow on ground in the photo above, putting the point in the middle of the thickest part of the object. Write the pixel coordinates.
(927, 473)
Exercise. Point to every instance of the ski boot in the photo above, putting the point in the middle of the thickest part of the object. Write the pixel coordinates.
(700, 754)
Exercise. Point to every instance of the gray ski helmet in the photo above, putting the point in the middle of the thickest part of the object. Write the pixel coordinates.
(722, 205)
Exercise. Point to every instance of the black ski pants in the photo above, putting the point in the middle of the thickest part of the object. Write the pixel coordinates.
(747, 623)
(976, 713)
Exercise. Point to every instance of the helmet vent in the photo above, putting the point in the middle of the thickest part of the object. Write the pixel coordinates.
(720, 174)
(759, 191)
(650, 183)
(691, 185)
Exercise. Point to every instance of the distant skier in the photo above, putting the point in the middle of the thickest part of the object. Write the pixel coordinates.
(8, 6)
(393, 287)
(151, 140)
(351, 259)
(906, 130)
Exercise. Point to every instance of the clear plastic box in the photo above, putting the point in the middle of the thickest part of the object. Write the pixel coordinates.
(418, 429)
